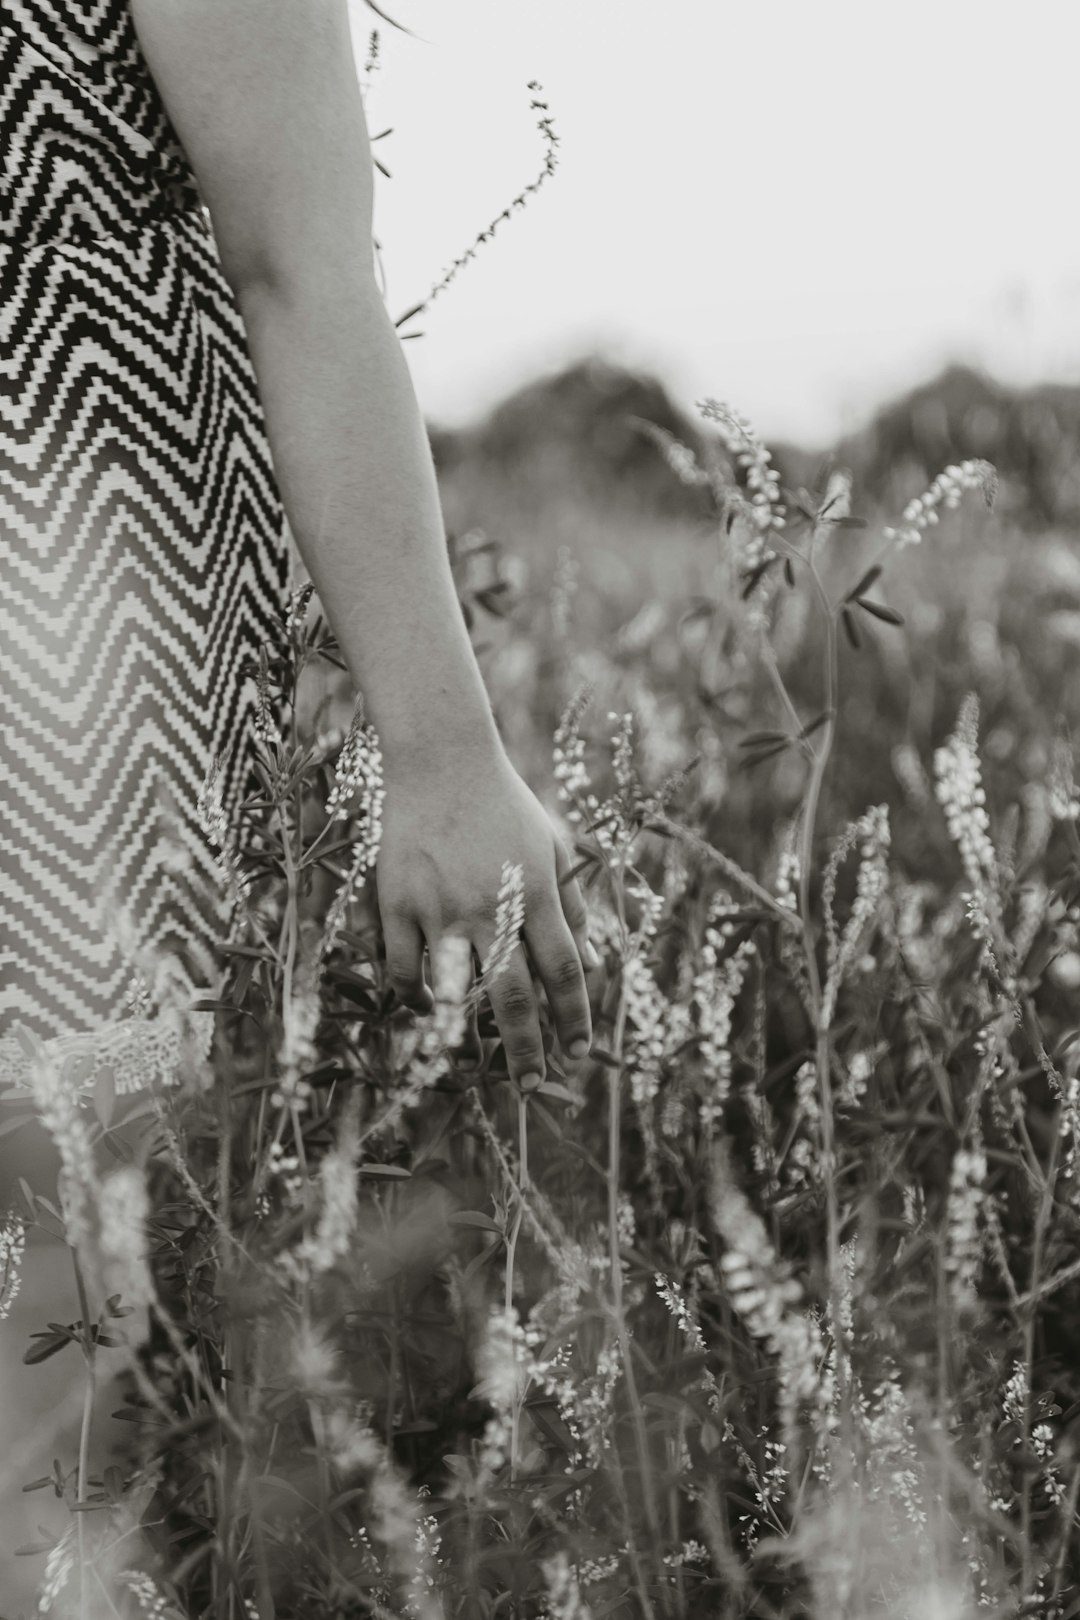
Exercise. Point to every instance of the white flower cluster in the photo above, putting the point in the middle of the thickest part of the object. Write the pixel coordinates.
(444, 1028)
(210, 809)
(1042, 1444)
(673, 1297)
(946, 490)
(961, 795)
(151, 1601)
(124, 1209)
(807, 1102)
(896, 1470)
(359, 771)
(656, 1026)
(58, 1567)
(57, 1099)
(762, 479)
(680, 457)
(285, 1168)
(264, 728)
(788, 872)
(963, 1251)
(562, 1595)
(716, 989)
(12, 1249)
(608, 822)
(648, 1014)
(764, 1292)
(570, 770)
(1014, 1396)
(873, 833)
(505, 1367)
(339, 1206)
(622, 754)
(509, 920)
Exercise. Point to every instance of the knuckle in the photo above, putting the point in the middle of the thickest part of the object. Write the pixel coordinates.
(396, 904)
(406, 974)
(517, 1004)
(566, 974)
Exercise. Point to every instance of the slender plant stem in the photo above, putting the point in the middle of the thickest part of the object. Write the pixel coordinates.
(617, 1304)
(768, 902)
(520, 1191)
(89, 1350)
(822, 755)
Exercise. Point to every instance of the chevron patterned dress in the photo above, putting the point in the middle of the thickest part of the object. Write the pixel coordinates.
(143, 550)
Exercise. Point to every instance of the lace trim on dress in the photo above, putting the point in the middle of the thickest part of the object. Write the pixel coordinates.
(143, 1051)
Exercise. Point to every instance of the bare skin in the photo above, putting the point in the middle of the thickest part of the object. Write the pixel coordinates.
(264, 97)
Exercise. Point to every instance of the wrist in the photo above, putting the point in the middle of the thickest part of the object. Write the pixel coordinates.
(438, 735)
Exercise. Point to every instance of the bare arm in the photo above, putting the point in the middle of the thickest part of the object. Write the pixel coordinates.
(264, 96)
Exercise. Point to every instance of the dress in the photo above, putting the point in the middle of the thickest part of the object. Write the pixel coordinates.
(144, 554)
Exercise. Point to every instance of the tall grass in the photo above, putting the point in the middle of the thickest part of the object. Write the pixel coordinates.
(772, 1311)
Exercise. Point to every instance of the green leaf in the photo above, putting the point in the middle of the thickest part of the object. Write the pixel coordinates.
(608, 1059)
(551, 1088)
(474, 1217)
(887, 615)
(51, 1344)
(847, 619)
(865, 583)
(762, 754)
(390, 1172)
(813, 725)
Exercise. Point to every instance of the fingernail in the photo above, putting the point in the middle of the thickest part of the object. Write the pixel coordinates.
(529, 1082)
(590, 954)
(578, 1048)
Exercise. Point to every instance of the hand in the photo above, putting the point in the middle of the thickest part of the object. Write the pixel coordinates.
(449, 823)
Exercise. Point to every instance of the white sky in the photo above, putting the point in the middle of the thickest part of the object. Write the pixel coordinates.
(798, 206)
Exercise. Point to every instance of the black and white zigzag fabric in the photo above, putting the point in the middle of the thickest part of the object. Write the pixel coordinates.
(143, 550)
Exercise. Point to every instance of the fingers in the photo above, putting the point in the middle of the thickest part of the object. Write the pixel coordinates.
(405, 962)
(556, 956)
(573, 905)
(514, 1003)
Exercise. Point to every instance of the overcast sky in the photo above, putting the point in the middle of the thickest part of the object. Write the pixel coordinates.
(798, 206)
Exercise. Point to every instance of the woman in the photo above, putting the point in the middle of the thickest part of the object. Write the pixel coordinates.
(164, 384)
(171, 384)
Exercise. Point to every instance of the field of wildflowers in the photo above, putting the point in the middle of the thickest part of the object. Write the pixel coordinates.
(771, 1311)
